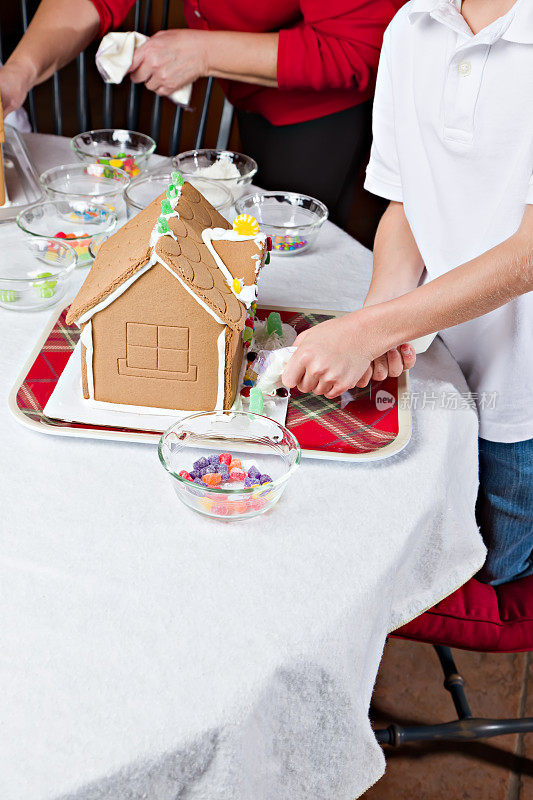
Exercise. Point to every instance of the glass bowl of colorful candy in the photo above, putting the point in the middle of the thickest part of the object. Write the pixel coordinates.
(98, 184)
(34, 272)
(233, 170)
(229, 464)
(143, 190)
(127, 150)
(75, 221)
(292, 220)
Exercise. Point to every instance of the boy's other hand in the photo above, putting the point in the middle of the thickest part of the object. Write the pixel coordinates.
(331, 358)
(393, 363)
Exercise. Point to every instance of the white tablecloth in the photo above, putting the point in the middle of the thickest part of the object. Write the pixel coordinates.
(147, 652)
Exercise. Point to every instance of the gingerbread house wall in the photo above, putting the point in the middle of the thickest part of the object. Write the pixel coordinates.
(150, 332)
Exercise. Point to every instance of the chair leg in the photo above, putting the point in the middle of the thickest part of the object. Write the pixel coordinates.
(466, 728)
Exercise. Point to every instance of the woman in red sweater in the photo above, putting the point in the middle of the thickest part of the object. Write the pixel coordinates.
(299, 72)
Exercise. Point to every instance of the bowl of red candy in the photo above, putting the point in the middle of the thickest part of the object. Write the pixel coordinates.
(229, 464)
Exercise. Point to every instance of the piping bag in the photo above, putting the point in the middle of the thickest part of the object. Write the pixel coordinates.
(269, 366)
(114, 57)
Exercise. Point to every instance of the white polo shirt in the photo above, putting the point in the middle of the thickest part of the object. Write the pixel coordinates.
(453, 141)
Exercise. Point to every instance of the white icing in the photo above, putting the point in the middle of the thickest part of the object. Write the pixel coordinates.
(87, 340)
(222, 169)
(248, 293)
(221, 347)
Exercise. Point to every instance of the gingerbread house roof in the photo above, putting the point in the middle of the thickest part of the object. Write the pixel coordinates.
(128, 251)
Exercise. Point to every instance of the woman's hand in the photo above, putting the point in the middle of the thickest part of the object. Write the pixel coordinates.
(331, 357)
(170, 60)
(14, 86)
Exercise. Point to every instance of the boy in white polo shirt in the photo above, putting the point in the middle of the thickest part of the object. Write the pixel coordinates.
(453, 152)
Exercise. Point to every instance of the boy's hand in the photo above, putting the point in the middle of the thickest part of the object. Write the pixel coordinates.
(331, 358)
(14, 86)
(393, 363)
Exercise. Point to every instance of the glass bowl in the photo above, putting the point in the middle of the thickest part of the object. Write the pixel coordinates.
(142, 191)
(292, 220)
(36, 273)
(233, 170)
(253, 439)
(76, 221)
(95, 183)
(127, 150)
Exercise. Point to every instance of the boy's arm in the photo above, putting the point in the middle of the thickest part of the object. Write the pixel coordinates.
(397, 268)
(59, 31)
(333, 356)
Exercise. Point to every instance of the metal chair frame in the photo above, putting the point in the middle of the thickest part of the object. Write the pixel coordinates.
(141, 21)
(466, 728)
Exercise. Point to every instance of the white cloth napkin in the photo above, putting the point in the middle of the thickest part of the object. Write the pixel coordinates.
(114, 57)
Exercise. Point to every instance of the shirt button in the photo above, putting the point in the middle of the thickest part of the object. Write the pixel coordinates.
(464, 68)
(197, 12)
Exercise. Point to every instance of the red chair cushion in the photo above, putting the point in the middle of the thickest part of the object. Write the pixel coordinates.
(479, 617)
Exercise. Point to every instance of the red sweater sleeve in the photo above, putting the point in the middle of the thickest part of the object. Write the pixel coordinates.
(112, 13)
(335, 46)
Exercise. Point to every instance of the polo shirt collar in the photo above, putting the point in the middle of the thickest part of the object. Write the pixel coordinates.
(517, 27)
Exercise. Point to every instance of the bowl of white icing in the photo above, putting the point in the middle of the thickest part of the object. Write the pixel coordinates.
(233, 170)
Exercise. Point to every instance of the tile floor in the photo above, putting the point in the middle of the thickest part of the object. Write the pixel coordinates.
(409, 689)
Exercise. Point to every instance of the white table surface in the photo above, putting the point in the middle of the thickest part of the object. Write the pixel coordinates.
(148, 652)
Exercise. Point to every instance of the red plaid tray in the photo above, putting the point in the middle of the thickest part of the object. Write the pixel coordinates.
(363, 429)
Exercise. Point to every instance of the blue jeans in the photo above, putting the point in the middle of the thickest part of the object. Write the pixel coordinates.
(505, 510)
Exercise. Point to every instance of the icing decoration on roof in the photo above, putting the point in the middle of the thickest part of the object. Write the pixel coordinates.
(166, 207)
(162, 225)
(246, 225)
(177, 178)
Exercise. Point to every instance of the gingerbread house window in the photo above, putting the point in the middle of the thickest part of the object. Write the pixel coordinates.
(157, 351)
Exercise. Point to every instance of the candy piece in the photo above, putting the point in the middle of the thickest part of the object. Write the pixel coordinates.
(166, 208)
(214, 459)
(251, 356)
(135, 172)
(256, 401)
(177, 179)
(247, 334)
(248, 382)
(253, 307)
(282, 392)
(253, 472)
(162, 225)
(236, 286)
(120, 155)
(115, 162)
(245, 391)
(194, 474)
(199, 481)
(223, 470)
(221, 509)
(238, 506)
(60, 235)
(250, 480)
(237, 474)
(202, 462)
(8, 295)
(45, 288)
(235, 464)
(246, 344)
(274, 323)
(185, 474)
(225, 458)
(172, 191)
(265, 479)
(249, 322)
(267, 259)
(212, 479)
(206, 502)
(246, 225)
(269, 243)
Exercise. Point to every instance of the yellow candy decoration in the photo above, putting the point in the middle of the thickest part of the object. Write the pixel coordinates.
(236, 285)
(246, 225)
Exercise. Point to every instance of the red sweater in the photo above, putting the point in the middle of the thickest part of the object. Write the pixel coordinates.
(327, 56)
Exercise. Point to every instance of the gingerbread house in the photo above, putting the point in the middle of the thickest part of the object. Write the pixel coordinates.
(167, 307)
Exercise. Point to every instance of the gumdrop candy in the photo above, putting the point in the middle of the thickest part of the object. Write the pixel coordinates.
(265, 479)
(251, 480)
(212, 479)
(199, 481)
(185, 474)
(194, 474)
(202, 462)
(223, 470)
(222, 509)
(245, 391)
(235, 463)
(237, 474)
(238, 506)
(225, 458)
(213, 459)
(253, 471)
